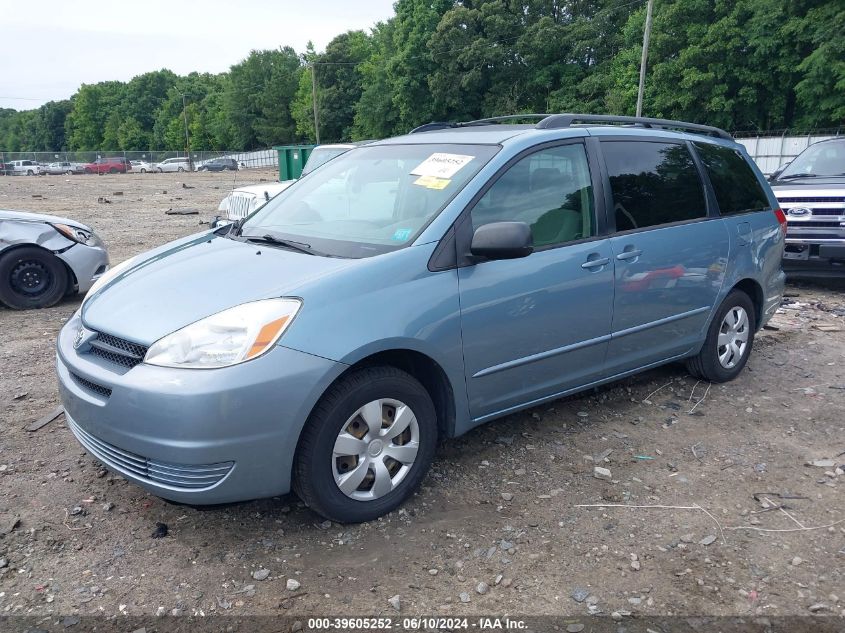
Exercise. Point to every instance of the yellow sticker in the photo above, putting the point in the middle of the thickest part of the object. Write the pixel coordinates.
(431, 182)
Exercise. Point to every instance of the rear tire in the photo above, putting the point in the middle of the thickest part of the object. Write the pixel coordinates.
(31, 277)
(181, 169)
(729, 340)
(399, 401)
(113, 170)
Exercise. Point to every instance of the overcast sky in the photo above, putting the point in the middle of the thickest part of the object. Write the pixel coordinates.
(50, 47)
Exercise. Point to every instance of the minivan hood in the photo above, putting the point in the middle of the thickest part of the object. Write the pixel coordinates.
(184, 281)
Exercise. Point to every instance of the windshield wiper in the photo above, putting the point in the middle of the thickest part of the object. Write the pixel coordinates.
(302, 247)
(791, 176)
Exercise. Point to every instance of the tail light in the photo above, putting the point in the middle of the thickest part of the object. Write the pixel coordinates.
(781, 216)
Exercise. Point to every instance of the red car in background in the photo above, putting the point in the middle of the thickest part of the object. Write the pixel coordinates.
(117, 165)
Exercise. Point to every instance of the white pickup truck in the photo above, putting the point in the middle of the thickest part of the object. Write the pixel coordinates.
(811, 192)
(242, 201)
(25, 168)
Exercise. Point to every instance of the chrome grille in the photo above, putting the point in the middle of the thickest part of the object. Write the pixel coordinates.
(817, 199)
(117, 350)
(92, 386)
(240, 205)
(189, 477)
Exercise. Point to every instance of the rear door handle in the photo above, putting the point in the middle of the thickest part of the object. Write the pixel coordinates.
(595, 263)
(632, 254)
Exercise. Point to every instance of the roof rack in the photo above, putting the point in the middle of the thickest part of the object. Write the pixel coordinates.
(555, 121)
(441, 125)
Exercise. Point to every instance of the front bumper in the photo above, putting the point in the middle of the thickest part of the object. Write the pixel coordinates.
(193, 436)
(88, 263)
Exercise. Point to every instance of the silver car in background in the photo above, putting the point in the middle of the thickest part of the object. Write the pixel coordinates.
(174, 164)
(44, 257)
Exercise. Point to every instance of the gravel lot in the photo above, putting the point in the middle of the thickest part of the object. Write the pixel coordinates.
(496, 527)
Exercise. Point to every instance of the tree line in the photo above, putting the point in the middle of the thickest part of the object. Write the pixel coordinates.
(737, 64)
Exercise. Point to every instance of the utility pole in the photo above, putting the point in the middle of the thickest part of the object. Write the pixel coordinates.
(187, 142)
(314, 101)
(644, 60)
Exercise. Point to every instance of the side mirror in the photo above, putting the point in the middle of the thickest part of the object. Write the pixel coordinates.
(502, 240)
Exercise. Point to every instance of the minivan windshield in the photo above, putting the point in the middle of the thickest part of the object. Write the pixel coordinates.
(822, 159)
(371, 200)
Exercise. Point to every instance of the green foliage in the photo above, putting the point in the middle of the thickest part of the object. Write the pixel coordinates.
(739, 64)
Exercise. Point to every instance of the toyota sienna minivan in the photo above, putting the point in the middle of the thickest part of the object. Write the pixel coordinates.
(413, 289)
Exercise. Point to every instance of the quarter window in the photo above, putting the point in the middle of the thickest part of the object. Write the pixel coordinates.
(549, 190)
(734, 183)
(652, 184)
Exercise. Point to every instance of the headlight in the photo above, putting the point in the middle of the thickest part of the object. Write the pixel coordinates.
(224, 204)
(226, 338)
(106, 277)
(78, 235)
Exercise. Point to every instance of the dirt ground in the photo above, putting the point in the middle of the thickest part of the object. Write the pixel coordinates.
(745, 526)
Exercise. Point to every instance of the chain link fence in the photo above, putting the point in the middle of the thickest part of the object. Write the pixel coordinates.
(259, 159)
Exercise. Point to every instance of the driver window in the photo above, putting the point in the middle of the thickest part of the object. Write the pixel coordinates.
(549, 190)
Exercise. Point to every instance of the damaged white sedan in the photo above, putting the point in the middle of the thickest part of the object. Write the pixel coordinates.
(43, 258)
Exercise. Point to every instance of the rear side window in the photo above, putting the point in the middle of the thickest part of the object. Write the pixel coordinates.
(737, 188)
(652, 184)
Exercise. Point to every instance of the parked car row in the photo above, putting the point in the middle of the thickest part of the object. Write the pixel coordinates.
(114, 165)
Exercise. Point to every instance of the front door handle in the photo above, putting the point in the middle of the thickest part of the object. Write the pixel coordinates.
(629, 254)
(595, 263)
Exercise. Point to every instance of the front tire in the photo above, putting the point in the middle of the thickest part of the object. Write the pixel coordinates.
(366, 446)
(181, 169)
(729, 340)
(31, 277)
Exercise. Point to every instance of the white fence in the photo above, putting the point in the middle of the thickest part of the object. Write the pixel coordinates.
(770, 152)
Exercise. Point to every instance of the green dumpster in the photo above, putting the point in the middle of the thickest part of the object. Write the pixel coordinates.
(292, 159)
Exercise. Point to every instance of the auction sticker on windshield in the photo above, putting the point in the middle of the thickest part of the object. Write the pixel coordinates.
(441, 165)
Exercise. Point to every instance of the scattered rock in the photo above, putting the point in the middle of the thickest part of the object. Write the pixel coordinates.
(602, 473)
(579, 594)
(482, 588)
(819, 606)
(507, 496)
(505, 440)
(292, 584)
(261, 574)
(394, 602)
(464, 596)
(708, 540)
(575, 627)
(797, 561)
(433, 571)
(69, 621)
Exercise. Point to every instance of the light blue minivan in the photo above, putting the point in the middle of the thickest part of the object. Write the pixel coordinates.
(413, 289)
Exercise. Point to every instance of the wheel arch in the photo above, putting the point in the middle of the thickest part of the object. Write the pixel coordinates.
(71, 276)
(423, 368)
(754, 290)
